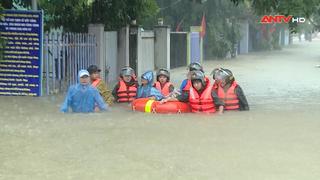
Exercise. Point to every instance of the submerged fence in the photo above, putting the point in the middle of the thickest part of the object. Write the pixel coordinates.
(63, 56)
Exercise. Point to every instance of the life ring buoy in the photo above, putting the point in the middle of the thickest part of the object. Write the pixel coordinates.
(147, 105)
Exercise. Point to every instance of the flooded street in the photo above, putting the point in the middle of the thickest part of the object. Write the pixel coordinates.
(277, 139)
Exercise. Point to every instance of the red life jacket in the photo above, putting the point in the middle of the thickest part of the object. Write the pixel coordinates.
(188, 85)
(230, 99)
(165, 90)
(95, 82)
(126, 93)
(203, 102)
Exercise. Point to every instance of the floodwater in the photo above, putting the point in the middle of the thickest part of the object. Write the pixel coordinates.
(277, 139)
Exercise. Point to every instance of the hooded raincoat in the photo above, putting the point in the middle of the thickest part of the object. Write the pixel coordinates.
(83, 98)
(148, 90)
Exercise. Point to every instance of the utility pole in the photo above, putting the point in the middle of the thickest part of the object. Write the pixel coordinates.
(34, 5)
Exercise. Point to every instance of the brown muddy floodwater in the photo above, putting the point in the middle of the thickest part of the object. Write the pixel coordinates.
(278, 139)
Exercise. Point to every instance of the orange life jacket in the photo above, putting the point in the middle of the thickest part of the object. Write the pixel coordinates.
(165, 90)
(126, 93)
(230, 99)
(203, 102)
(95, 82)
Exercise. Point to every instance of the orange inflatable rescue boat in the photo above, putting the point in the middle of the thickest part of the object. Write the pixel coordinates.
(147, 105)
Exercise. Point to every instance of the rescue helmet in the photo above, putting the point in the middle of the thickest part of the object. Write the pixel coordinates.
(127, 71)
(215, 73)
(163, 72)
(226, 76)
(195, 66)
(198, 76)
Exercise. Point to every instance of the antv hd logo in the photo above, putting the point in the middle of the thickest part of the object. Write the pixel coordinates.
(281, 19)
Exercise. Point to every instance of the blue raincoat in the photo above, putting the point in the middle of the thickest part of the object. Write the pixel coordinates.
(183, 84)
(83, 98)
(148, 90)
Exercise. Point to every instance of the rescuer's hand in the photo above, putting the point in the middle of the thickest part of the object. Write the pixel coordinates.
(163, 101)
(220, 110)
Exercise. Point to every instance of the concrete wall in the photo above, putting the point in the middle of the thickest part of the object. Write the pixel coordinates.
(113, 50)
(244, 42)
(123, 48)
(162, 47)
(145, 51)
(111, 55)
(98, 31)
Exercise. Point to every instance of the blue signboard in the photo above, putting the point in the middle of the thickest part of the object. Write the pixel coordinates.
(20, 65)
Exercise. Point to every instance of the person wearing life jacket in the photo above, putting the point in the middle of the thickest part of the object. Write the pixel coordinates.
(229, 91)
(126, 88)
(200, 96)
(163, 83)
(215, 72)
(98, 83)
(186, 84)
(146, 90)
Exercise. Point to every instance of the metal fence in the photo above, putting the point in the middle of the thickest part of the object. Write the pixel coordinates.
(63, 56)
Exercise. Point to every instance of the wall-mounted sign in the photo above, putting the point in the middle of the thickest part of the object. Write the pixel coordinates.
(20, 65)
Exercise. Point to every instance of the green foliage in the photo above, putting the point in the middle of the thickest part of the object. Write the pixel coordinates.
(185, 11)
(221, 36)
(308, 9)
(118, 13)
(315, 17)
(75, 15)
(222, 18)
(9, 4)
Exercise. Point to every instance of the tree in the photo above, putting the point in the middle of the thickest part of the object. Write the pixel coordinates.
(9, 4)
(118, 13)
(75, 15)
(309, 9)
(223, 20)
(72, 15)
